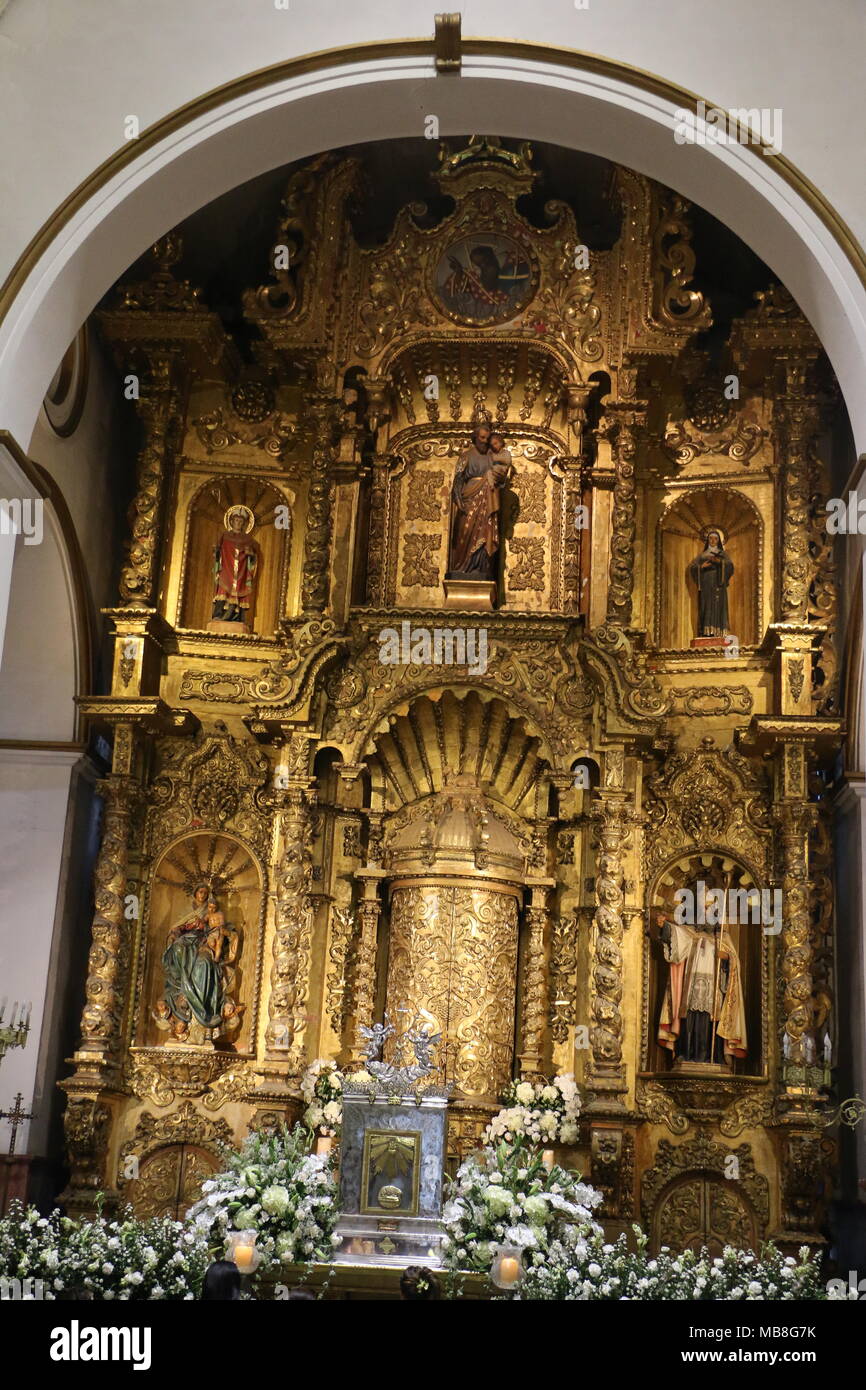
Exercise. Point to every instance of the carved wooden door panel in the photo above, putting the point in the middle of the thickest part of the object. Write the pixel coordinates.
(702, 1210)
(170, 1180)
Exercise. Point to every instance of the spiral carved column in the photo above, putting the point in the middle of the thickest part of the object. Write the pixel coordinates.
(87, 1118)
(534, 1001)
(606, 1073)
(290, 967)
(800, 423)
(625, 426)
(363, 979)
(158, 409)
(796, 821)
(376, 531)
(103, 1009)
(326, 414)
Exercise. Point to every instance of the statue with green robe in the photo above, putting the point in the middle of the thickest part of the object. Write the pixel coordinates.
(197, 964)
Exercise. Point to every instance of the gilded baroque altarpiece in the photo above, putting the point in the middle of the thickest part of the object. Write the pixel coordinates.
(348, 835)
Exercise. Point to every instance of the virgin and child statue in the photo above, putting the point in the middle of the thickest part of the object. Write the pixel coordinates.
(702, 1016)
(199, 975)
(711, 572)
(236, 562)
(482, 471)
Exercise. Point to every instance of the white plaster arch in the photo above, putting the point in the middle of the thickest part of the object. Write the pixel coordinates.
(311, 106)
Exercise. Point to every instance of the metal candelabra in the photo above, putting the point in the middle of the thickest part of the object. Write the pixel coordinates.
(14, 1033)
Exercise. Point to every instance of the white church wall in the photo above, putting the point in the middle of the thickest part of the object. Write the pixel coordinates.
(143, 59)
(46, 812)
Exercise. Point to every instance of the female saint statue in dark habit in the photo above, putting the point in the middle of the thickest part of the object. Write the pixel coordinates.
(711, 571)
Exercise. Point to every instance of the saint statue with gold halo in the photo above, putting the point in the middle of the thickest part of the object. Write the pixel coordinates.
(236, 561)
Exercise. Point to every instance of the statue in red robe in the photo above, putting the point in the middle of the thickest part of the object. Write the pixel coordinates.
(236, 561)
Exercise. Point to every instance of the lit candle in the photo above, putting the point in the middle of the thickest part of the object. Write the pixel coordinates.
(324, 1144)
(547, 1159)
(243, 1257)
(509, 1271)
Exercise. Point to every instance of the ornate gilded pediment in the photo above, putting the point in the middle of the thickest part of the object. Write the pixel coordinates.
(216, 784)
(708, 798)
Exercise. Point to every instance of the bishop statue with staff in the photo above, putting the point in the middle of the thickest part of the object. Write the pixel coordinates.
(702, 1015)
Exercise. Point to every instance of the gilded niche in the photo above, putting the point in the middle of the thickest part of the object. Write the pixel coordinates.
(236, 553)
(202, 945)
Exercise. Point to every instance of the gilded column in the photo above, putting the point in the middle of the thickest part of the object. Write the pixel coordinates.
(796, 820)
(376, 532)
(102, 1014)
(606, 1072)
(326, 413)
(800, 422)
(293, 934)
(88, 1114)
(158, 409)
(625, 425)
(534, 993)
(363, 984)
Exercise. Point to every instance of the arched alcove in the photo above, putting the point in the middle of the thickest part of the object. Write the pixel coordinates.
(681, 537)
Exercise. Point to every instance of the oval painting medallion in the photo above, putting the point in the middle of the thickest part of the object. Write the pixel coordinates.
(484, 278)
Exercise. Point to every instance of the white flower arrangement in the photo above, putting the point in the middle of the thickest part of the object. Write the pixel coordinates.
(542, 1112)
(322, 1090)
(122, 1259)
(504, 1194)
(273, 1186)
(593, 1270)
